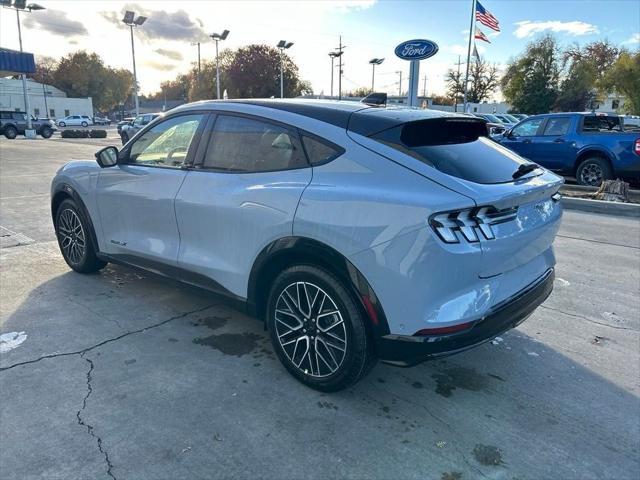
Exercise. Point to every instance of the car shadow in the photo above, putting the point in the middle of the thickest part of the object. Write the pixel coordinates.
(190, 372)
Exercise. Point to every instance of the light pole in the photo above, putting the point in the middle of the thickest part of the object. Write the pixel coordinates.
(333, 55)
(17, 6)
(282, 46)
(374, 62)
(216, 38)
(131, 22)
(400, 83)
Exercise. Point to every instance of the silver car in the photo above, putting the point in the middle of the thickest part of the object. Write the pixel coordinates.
(355, 233)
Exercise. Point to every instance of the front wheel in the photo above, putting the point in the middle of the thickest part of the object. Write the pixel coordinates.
(10, 132)
(46, 132)
(317, 329)
(62, 124)
(74, 239)
(84, 124)
(593, 171)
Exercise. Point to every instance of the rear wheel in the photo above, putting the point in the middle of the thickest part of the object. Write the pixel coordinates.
(317, 329)
(84, 124)
(74, 239)
(593, 171)
(10, 132)
(62, 124)
(124, 137)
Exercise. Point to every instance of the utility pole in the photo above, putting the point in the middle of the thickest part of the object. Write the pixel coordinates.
(400, 83)
(424, 87)
(199, 65)
(340, 65)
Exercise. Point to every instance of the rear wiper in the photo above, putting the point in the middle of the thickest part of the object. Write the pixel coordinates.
(523, 169)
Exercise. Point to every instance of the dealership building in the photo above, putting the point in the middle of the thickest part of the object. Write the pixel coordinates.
(45, 100)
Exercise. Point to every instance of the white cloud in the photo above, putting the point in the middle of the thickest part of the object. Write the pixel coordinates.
(527, 28)
(633, 39)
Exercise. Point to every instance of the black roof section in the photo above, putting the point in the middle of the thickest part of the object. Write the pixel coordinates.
(356, 117)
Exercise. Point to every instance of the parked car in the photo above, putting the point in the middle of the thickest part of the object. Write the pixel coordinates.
(356, 233)
(630, 123)
(129, 130)
(13, 124)
(519, 116)
(506, 118)
(75, 121)
(124, 122)
(101, 121)
(592, 147)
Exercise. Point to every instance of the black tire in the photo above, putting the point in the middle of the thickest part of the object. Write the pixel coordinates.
(124, 137)
(10, 132)
(75, 242)
(62, 124)
(84, 124)
(46, 132)
(333, 368)
(593, 171)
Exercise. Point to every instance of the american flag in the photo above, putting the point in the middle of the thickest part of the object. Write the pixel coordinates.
(485, 17)
(481, 36)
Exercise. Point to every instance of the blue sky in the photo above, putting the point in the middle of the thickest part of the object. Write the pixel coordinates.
(369, 28)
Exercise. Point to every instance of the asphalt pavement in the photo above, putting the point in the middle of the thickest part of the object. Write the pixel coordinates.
(126, 375)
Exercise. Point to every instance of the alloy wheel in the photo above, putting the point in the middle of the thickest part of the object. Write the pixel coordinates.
(72, 236)
(310, 329)
(592, 174)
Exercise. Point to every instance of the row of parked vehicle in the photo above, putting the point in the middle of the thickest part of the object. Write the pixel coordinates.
(14, 123)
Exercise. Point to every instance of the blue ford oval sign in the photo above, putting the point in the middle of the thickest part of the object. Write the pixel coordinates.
(416, 49)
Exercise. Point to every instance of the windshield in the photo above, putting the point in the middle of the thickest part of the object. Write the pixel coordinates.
(456, 146)
(492, 118)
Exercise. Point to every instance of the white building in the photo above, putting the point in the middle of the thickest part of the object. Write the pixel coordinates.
(57, 102)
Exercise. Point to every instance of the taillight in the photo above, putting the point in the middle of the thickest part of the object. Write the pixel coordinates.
(470, 224)
(636, 147)
(426, 332)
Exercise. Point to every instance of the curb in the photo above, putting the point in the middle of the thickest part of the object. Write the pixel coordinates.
(600, 206)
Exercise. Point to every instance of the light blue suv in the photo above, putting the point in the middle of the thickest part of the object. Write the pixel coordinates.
(355, 232)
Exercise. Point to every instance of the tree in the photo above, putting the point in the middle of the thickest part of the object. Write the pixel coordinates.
(483, 80)
(45, 67)
(358, 92)
(442, 100)
(577, 90)
(624, 78)
(530, 83)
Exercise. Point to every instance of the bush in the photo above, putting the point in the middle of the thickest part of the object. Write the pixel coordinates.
(98, 134)
(84, 133)
(74, 134)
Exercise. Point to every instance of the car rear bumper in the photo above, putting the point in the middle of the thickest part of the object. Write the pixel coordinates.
(408, 350)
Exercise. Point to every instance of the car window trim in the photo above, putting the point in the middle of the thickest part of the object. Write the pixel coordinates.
(123, 158)
(218, 113)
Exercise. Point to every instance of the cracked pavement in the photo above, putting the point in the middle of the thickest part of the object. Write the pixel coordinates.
(128, 376)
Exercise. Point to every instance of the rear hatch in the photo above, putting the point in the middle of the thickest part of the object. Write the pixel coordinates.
(517, 213)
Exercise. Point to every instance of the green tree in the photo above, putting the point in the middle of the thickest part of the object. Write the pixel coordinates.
(624, 78)
(531, 82)
(577, 90)
(358, 92)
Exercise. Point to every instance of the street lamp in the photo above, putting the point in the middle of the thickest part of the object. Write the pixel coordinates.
(374, 62)
(283, 45)
(333, 56)
(18, 5)
(134, 22)
(216, 38)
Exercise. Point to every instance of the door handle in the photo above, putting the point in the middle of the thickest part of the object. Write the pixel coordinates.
(559, 140)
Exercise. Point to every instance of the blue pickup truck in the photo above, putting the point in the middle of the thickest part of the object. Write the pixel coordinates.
(590, 146)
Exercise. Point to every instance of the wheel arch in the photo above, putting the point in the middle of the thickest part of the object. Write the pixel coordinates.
(63, 192)
(589, 152)
(285, 252)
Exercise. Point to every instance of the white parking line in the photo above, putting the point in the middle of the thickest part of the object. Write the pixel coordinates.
(25, 196)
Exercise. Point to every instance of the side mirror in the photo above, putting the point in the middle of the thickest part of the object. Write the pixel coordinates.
(107, 157)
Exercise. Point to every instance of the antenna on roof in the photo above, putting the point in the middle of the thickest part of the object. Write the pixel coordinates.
(375, 99)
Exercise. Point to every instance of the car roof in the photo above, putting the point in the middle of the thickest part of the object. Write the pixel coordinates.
(354, 116)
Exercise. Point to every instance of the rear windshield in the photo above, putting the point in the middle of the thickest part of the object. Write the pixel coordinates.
(456, 146)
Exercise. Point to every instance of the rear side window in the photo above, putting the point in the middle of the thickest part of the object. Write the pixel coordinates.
(601, 123)
(242, 144)
(457, 147)
(319, 151)
(557, 126)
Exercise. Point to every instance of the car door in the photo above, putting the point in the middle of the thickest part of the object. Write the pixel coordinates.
(519, 137)
(239, 198)
(136, 197)
(552, 148)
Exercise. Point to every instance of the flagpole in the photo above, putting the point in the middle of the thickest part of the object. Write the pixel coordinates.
(471, 34)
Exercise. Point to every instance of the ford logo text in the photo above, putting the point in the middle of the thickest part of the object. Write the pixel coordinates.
(416, 49)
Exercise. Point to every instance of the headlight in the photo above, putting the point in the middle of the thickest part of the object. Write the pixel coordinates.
(470, 223)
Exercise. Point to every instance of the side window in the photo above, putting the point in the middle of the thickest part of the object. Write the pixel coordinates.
(242, 144)
(138, 122)
(528, 128)
(318, 151)
(19, 116)
(602, 123)
(167, 143)
(557, 126)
